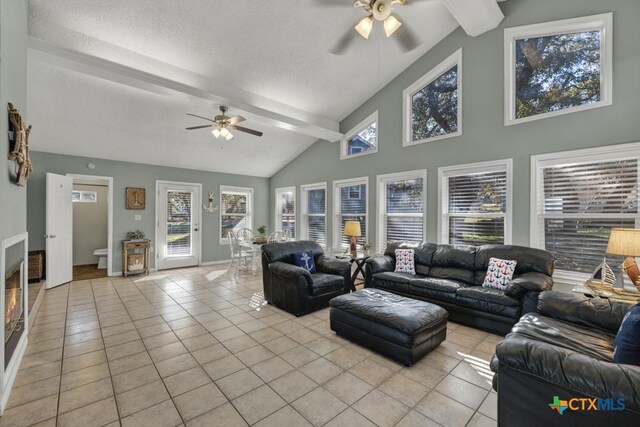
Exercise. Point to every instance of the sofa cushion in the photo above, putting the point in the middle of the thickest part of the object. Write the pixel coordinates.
(392, 276)
(455, 262)
(529, 259)
(571, 336)
(627, 342)
(323, 283)
(436, 288)
(405, 262)
(489, 300)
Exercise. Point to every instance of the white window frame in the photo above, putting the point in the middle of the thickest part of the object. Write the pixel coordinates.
(337, 185)
(229, 189)
(381, 194)
(304, 217)
(445, 172)
(82, 199)
(542, 161)
(407, 94)
(278, 206)
(344, 144)
(602, 22)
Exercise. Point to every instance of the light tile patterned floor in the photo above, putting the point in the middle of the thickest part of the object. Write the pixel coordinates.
(183, 347)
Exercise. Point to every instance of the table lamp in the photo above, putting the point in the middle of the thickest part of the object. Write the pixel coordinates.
(626, 242)
(352, 229)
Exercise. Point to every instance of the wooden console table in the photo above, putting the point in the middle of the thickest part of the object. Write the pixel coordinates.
(135, 257)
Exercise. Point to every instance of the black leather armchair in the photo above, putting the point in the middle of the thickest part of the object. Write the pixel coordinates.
(565, 350)
(294, 289)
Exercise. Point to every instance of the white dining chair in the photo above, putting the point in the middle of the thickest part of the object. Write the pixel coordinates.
(276, 236)
(239, 255)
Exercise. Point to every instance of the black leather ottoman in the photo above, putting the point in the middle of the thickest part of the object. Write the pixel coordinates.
(401, 328)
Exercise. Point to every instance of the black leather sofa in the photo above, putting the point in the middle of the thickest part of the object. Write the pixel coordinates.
(565, 350)
(452, 275)
(294, 289)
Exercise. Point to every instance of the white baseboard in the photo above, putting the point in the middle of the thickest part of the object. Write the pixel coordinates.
(224, 261)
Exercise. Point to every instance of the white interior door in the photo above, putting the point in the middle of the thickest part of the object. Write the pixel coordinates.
(59, 222)
(178, 227)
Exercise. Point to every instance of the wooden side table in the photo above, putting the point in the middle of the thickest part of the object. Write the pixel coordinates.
(135, 253)
(359, 260)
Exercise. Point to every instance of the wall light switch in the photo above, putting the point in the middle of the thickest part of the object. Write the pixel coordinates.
(138, 217)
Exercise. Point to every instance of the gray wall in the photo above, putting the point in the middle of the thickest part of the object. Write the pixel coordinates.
(13, 88)
(484, 135)
(139, 175)
(89, 225)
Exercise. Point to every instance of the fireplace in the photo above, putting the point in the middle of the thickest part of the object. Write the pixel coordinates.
(13, 307)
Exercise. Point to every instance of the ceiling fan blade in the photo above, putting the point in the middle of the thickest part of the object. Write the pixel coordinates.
(247, 130)
(199, 127)
(344, 42)
(236, 119)
(200, 117)
(406, 38)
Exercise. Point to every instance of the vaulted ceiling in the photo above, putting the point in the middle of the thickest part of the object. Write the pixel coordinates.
(114, 78)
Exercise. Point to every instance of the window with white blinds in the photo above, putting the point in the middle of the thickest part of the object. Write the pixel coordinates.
(286, 209)
(235, 210)
(314, 213)
(179, 220)
(350, 204)
(475, 203)
(401, 207)
(580, 196)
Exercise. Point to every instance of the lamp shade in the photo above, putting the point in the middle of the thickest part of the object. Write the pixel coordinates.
(352, 228)
(624, 241)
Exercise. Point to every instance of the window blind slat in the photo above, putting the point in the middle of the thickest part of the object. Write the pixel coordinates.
(178, 223)
(316, 216)
(403, 197)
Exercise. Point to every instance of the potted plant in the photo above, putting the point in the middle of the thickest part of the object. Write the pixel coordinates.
(366, 247)
(262, 230)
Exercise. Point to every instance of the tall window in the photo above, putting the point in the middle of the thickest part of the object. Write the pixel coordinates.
(401, 206)
(235, 209)
(579, 196)
(475, 203)
(286, 209)
(432, 105)
(350, 204)
(314, 213)
(362, 139)
(557, 67)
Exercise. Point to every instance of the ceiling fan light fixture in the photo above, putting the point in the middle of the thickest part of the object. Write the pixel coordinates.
(224, 132)
(391, 25)
(216, 132)
(365, 26)
(229, 136)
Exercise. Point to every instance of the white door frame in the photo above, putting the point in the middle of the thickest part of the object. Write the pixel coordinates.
(109, 180)
(195, 212)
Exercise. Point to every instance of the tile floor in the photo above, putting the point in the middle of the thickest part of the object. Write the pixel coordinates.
(184, 347)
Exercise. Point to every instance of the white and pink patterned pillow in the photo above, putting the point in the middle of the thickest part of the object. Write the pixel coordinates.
(405, 262)
(499, 273)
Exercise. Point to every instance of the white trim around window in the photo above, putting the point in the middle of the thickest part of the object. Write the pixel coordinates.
(381, 194)
(337, 223)
(278, 208)
(407, 95)
(304, 211)
(444, 173)
(228, 189)
(602, 22)
(540, 162)
(344, 144)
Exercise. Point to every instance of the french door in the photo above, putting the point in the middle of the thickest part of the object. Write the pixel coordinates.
(178, 225)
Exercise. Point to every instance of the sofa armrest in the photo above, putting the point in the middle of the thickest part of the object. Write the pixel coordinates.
(570, 369)
(332, 265)
(381, 263)
(598, 313)
(289, 271)
(531, 281)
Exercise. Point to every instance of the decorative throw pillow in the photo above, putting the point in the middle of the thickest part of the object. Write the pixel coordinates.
(405, 262)
(499, 273)
(305, 260)
(627, 349)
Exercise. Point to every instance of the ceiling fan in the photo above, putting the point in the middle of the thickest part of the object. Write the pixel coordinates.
(222, 125)
(377, 10)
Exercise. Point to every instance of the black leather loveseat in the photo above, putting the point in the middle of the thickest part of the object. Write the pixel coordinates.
(294, 289)
(566, 351)
(452, 275)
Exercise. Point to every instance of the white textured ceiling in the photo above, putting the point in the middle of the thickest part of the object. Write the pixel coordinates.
(273, 51)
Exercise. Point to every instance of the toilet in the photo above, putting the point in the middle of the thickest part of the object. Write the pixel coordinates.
(102, 257)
